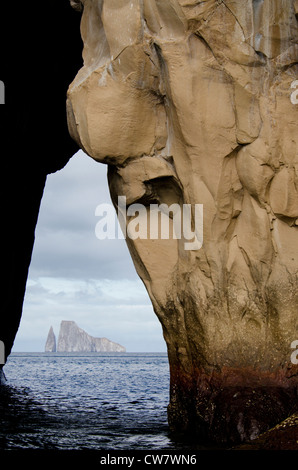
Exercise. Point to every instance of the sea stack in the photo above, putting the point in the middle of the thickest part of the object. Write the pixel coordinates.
(51, 341)
(73, 339)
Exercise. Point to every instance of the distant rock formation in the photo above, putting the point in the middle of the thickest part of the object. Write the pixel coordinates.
(73, 339)
(51, 341)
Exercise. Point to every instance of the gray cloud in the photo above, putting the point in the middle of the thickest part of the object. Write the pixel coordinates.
(66, 244)
(75, 276)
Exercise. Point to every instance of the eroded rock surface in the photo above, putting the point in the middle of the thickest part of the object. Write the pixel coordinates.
(195, 102)
(281, 437)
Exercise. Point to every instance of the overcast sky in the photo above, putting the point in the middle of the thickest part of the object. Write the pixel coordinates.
(75, 276)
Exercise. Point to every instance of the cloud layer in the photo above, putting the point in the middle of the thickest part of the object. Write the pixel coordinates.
(75, 276)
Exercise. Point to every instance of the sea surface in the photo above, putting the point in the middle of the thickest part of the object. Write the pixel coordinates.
(86, 401)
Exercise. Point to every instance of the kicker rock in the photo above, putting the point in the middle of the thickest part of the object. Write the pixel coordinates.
(195, 102)
(51, 341)
(73, 339)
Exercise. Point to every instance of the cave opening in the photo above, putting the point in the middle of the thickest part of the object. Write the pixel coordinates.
(73, 276)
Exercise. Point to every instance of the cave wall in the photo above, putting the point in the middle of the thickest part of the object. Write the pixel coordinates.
(41, 50)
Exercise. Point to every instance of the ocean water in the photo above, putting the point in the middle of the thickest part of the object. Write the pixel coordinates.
(81, 401)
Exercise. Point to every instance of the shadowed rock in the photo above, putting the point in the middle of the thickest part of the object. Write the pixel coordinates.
(34, 137)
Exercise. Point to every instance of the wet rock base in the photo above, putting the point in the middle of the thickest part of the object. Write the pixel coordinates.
(230, 414)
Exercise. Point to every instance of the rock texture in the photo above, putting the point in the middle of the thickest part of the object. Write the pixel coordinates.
(282, 437)
(73, 339)
(194, 102)
(51, 341)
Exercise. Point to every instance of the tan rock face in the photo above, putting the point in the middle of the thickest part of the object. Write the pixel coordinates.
(193, 102)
